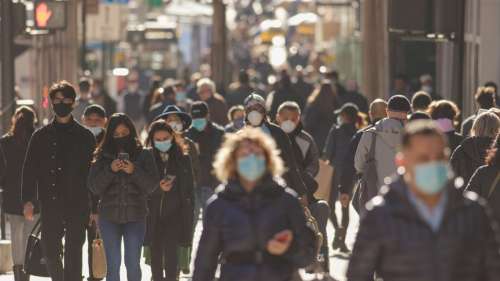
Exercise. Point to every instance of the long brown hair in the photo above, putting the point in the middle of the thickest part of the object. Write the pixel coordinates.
(23, 124)
(162, 125)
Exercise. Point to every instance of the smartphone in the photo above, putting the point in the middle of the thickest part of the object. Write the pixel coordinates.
(123, 156)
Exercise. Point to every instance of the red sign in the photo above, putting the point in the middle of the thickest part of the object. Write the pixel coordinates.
(50, 14)
(43, 15)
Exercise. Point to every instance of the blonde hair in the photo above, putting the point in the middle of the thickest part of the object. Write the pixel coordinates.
(225, 160)
(487, 124)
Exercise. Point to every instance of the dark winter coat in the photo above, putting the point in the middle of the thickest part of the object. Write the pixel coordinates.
(292, 176)
(122, 196)
(318, 123)
(357, 98)
(217, 107)
(46, 172)
(208, 143)
(238, 225)
(469, 156)
(454, 140)
(174, 209)
(482, 182)
(337, 143)
(397, 244)
(12, 152)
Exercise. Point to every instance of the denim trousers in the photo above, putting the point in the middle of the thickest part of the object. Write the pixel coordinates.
(132, 234)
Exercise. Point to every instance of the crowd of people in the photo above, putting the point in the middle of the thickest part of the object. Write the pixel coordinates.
(248, 163)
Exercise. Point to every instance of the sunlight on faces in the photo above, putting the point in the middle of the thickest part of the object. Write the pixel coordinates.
(238, 114)
(162, 135)
(94, 120)
(59, 98)
(121, 131)
(286, 115)
(173, 118)
(248, 147)
(205, 92)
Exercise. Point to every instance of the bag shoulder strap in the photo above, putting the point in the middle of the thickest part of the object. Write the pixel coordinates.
(37, 229)
(373, 143)
(493, 185)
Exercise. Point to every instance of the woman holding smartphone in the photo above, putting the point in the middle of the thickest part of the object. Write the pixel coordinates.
(255, 224)
(171, 206)
(122, 174)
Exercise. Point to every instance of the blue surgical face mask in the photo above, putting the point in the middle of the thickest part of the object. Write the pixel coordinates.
(180, 96)
(199, 124)
(431, 177)
(252, 167)
(95, 130)
(239, 123)
(163, 146)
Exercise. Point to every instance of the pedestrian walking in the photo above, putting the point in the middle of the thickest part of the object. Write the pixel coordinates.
(422, 227)
(421, 101)
(240, 90)
(255, 224)
(55, 173)
(471, 154)
(236, 116)
(445, 113)
(380, 144)
(207, 136)
(256, 116)
(94, 119)
(123, 174)
(349, 121)
(84, 97)
(170, 219)
(101, 96)
(307, 154)
(13, 148)
(133, 102)
(485, 99)
(283, 91)
(318, 116)
(216, 103)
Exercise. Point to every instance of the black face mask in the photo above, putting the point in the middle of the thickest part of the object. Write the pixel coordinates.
(62, 109)
(122, 142)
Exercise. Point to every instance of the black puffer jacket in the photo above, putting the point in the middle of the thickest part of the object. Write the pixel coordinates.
(174, 209)
(396, 244)
(482, 183)
(469, 156)
(239, 224)
(123, 197)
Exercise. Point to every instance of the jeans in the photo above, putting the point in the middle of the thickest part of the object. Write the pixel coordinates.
(133, 236)
(56, 224)
(20, 229)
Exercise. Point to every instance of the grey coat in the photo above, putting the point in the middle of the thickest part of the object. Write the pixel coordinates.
(123, 197)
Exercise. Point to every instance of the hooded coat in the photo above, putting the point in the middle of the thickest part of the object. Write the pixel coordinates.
(388, 132)
(469, 156)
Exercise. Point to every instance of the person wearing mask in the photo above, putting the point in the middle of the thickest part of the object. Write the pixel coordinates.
(55, 174)
(94, 119)
(13, 148)
(255, 223)
(84, 97)
(349, 122)
(216, 103)
(208, 137)
(440, 233)
(284, 91)
(445, 113)
(486, 99)
(101, 96)
(256, 116)
(181, 97)
(236, 116)
(470, 154)
(378, 111)
(307, 155)
(123, 174)
(420, 101)
(240, 90)
(133, 102)
(385, 138)
(318, 116)
(171, 206)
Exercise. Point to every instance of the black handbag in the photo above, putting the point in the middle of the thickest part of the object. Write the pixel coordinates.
(35, 262)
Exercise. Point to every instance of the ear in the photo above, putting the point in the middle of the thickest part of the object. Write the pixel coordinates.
(400, 159)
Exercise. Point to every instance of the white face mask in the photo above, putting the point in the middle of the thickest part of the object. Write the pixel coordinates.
(176, 126)
(95, 130)
(288, 126)
(340, 121)
(255, 118)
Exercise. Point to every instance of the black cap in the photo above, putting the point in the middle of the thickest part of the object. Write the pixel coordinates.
(348, 108)
(172, 109)
(199, 109)
(95, 109)
(399, 103)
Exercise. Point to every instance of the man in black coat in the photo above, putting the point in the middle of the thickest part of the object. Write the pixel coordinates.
(55, 173)
(421, 226)
(256, 117)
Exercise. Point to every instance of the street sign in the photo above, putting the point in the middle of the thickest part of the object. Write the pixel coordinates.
(49, 14)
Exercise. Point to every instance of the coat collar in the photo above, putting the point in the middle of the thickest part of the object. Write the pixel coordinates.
(72, 125)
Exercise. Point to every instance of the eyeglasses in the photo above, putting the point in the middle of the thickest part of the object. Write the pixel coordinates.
(63, 100)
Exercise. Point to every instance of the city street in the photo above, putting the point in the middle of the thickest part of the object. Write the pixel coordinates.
(338, 262)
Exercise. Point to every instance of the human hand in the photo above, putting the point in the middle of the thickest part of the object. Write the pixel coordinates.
(166, 185)
(128, 167)
(344, 199)
(280, 242)
(116, 165)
